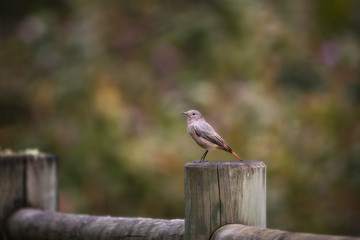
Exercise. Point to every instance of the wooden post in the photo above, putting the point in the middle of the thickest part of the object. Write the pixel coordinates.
(219, 193)
(26, 180)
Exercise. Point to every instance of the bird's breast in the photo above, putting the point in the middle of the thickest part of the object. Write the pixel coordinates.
(202, 142)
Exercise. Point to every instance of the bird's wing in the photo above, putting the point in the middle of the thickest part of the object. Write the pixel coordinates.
(204, 130)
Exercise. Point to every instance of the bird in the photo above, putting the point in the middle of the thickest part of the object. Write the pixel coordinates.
(205, 135)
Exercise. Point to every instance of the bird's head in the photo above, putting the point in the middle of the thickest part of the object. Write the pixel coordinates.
(193, 115)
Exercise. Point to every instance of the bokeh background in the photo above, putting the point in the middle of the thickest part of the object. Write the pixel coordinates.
(102, 85)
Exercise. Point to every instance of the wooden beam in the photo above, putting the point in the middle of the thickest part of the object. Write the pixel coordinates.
(242, 232)
(219, 193)
(26, 180)
(32, 224)
(42, 182)
(12, 195)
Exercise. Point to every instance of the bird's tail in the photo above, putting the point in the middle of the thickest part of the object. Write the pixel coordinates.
(227, 148)
(233, 153)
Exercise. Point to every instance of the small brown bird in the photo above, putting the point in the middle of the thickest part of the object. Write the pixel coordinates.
(205, 135)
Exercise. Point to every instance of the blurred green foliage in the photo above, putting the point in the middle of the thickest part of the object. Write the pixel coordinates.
(102, 85)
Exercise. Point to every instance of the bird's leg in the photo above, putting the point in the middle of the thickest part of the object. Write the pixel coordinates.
(202, 159)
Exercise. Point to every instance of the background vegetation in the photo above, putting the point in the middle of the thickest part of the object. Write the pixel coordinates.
(102, 85)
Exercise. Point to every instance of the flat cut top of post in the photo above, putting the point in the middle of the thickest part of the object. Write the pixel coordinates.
(245, 164)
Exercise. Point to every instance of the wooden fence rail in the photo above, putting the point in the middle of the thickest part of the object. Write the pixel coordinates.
(244, 232)
(219, 198)
(32, 224)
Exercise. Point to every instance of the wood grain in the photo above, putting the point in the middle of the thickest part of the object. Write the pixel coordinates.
(32, 224)
(219, 193)
(12, 197)
(42, 182)
(26, 181)
(242, 232)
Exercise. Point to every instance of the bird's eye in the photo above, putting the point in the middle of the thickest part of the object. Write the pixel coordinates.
(193, 114)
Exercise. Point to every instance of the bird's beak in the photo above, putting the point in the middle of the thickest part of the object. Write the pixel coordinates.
(185, 113)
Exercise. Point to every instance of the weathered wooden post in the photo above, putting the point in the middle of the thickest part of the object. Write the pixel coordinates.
(219, 193)
(26, 180)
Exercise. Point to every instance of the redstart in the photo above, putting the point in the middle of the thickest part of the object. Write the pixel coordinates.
(205, 135)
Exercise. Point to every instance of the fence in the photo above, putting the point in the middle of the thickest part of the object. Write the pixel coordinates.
(224, 200)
